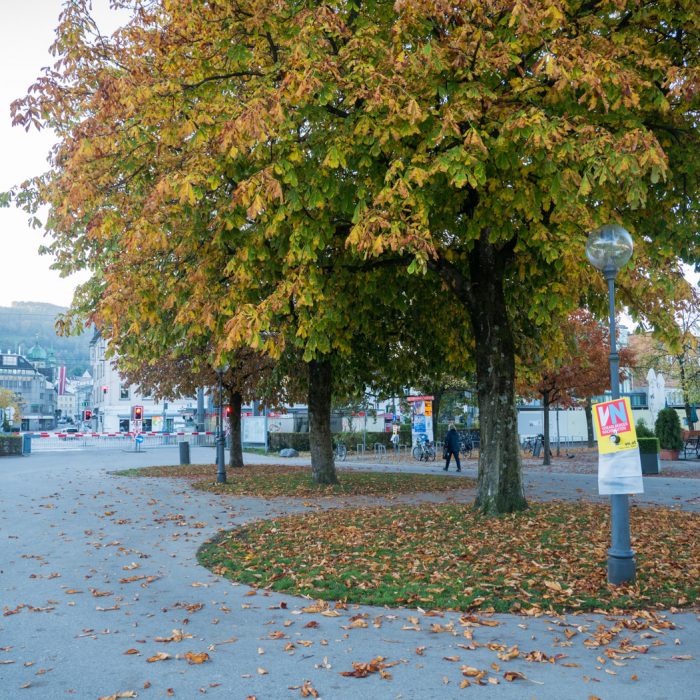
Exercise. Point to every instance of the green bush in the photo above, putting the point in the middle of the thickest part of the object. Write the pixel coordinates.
(648, 445)
(668, 429)
(300, 441)
(643, 430)
(10, 445)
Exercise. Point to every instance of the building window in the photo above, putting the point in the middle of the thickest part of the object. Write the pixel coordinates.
(123, 392)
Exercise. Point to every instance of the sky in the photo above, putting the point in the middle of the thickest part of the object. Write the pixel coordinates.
(26, 33)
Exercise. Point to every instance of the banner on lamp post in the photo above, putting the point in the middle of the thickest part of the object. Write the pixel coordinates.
(619, 464)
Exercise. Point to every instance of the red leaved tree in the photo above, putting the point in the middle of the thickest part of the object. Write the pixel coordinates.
(581, 371)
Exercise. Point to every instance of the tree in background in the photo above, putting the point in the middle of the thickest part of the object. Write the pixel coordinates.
(306, 146)
(677, 354)
(577, 375)
(171, 377)
(8, 399)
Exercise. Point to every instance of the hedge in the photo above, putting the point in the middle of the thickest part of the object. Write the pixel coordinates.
(300, 441)
(648, 445)
(10, 445)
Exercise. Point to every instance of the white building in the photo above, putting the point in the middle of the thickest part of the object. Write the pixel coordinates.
(112, 400)
(67, 404)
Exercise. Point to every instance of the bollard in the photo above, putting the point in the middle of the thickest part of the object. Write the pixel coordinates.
(184, 453)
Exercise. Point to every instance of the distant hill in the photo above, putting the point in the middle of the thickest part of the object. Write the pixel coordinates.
(25, 322)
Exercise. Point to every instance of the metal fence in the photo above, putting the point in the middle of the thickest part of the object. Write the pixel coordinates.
(46, 442)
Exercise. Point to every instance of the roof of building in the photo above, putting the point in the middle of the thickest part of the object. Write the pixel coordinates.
(36, 352)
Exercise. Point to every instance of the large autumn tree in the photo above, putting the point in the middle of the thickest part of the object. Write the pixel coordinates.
(475, 143)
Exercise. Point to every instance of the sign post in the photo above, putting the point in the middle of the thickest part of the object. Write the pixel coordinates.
(138, 437)
(421, 418)
(619, 463)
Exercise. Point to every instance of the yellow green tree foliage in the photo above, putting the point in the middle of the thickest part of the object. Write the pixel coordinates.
(8, 399)
(289, 146)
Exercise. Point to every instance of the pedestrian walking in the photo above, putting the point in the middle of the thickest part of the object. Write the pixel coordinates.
(395, 442)
(451, 448)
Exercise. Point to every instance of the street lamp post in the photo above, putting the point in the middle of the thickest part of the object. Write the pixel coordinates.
(220, 438)
(608, 249)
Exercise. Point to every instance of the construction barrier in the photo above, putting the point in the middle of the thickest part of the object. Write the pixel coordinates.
(45, 442)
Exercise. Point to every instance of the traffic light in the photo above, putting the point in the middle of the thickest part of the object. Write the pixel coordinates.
(87, 414)
(137, 413)
(229, 411)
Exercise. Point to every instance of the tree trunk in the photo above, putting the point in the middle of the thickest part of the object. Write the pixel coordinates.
(437, 400)
(500, 486)
(588, 408)
(235, 400)
(547, 459)
(321, 442)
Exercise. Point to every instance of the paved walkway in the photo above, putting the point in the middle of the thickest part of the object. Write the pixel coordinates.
(98, 573)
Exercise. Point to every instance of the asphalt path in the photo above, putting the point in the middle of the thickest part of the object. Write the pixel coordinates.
(98, 575)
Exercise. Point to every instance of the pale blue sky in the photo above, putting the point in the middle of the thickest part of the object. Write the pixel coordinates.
(26, 32)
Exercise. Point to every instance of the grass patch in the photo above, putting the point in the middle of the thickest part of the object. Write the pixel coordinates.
(278, 480)
(551, 557)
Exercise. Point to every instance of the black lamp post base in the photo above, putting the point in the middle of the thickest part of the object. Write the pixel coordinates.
(220, 463)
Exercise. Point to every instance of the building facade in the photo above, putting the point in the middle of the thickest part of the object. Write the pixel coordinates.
(37, 395)
(112, 400)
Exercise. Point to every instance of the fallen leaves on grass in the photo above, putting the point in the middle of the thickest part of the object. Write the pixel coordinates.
(277, 480)
(414, 556)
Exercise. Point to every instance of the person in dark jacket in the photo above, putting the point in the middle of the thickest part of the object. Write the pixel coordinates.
(452, 448)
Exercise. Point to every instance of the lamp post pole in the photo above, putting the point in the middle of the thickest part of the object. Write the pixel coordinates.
(220, 439)
(608, 249)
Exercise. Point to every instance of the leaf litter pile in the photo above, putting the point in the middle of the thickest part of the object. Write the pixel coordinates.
(552, 557)
(277, 480)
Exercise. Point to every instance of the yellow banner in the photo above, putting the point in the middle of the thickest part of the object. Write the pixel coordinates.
(614, 426)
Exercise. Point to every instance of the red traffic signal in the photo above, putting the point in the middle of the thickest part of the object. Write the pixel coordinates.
(137, 413)
(229, 411)
(87, 414)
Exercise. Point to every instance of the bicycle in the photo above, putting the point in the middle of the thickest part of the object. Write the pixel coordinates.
(340, 452)
(466, 446)
(424, 452)
(527, 444)
(532, 444)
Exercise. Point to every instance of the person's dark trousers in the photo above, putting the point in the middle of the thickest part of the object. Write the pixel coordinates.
(449, 457)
